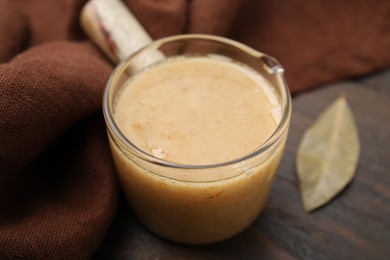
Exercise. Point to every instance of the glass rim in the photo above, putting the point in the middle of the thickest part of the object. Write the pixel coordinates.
(132, 148)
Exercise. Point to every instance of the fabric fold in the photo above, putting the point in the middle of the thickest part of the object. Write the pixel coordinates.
(14, 31)
(58, 191)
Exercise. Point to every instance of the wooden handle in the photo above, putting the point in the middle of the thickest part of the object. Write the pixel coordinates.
(114, 28)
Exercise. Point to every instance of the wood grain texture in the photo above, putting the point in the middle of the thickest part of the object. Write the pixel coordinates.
(355, 225)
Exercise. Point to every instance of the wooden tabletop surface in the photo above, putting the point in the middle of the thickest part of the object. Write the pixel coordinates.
(355, 225)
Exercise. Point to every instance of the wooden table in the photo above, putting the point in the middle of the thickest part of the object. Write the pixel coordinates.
(355, 225)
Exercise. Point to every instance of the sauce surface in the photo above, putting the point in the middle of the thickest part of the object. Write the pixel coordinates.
(197, 110)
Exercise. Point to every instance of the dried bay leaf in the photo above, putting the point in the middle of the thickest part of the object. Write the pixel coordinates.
(327, 156)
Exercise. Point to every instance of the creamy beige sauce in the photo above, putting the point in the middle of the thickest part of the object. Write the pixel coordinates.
(197, 111)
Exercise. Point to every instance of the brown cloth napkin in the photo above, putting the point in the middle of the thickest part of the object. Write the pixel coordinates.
(58, 190)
